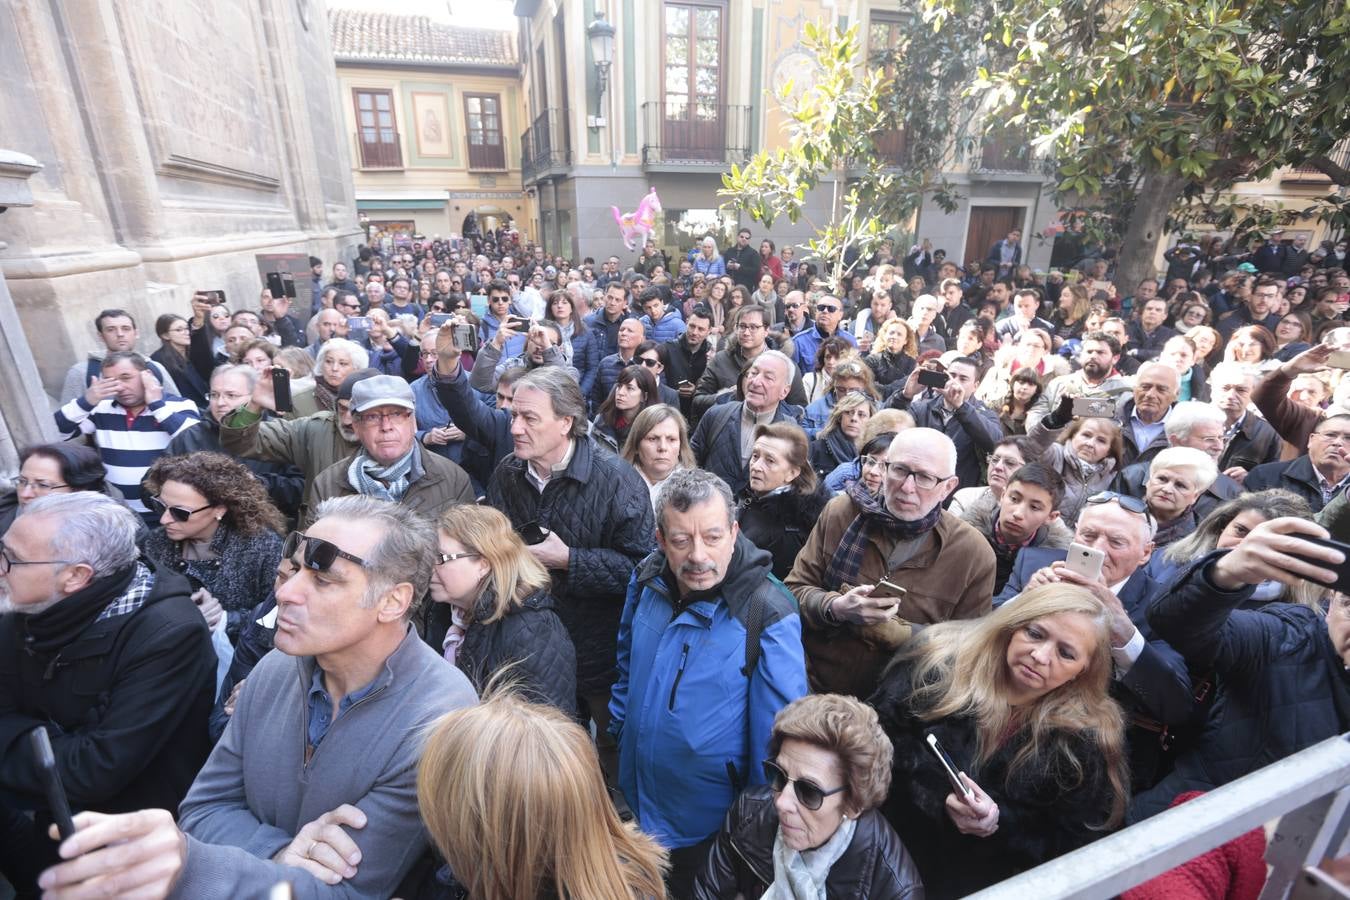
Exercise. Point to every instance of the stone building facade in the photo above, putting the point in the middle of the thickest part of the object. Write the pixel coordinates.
(177, 140)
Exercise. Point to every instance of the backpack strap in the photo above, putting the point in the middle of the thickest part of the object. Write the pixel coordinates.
(754, 627)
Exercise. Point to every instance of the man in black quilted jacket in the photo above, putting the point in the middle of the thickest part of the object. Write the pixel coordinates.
(586, 514)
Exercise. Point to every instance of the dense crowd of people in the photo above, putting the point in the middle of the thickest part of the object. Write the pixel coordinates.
(492, 575)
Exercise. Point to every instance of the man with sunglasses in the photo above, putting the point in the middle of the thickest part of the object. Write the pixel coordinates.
(389, 464)
(829, 314)
(1152, 684)
(796, 314)
(875, 566)
(314, 781)
(116, 663)
(705, 627)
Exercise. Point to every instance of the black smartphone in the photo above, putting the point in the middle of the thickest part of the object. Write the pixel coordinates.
(1342, 583)
(281, 389)
(275, 284)
(518, 323)
(436, 320)
(532, 533)
(932, 379)
(948, 766)
(51, 781)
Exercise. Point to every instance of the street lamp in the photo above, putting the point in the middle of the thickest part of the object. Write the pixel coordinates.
(601, 35)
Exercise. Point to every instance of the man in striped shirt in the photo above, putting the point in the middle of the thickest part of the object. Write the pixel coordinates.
(131, 420)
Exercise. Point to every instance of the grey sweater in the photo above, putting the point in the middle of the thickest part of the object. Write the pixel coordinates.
(256, 792)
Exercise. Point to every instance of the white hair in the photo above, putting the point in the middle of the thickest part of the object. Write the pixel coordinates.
(788, 365)
(358, 355)
(95, 530)
(1196, 464)
(1183, 418)
(1241, 370)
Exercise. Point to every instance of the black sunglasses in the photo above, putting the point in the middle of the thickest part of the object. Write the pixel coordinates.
(179, 513)
(827, 308)
(1131, 504)
(319, 554)
(809, 794)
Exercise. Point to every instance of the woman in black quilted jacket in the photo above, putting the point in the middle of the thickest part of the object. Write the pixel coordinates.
(494, 610)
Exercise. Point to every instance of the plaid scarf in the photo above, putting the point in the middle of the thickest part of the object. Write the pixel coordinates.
(873, 518)
(369, 478)
(133, 598)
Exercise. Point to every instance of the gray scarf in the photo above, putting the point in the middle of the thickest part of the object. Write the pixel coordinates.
(369, 478)
(801, 875)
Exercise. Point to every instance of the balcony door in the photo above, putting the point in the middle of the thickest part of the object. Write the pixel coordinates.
(483, 124)
(692, 68)
(376, 133)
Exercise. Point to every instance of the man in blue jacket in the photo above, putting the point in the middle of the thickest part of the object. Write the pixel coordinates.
(710, 650)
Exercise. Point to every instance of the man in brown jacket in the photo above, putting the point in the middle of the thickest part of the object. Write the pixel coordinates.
(389, 464)
(875, 566)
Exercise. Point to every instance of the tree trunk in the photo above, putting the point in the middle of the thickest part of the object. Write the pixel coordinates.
(1139, 245)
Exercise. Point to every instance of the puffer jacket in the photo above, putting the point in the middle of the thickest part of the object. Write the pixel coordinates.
(875, 865)
(1080, 482)
(244, 568)
(691, 726)
(1280, 686)
(780, 521)
(599, 507)
(1046, 808)
(529, 637)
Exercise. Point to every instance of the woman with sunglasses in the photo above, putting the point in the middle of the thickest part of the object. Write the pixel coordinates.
(1019, 700)
(634, 391)
(814, 831)
(217, 527)
(493, 612)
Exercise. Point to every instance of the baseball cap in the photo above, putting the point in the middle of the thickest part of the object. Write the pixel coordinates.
(382, 390)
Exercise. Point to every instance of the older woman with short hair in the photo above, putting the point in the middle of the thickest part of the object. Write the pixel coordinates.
(1177, 477)
(337, 358)
(814, 831)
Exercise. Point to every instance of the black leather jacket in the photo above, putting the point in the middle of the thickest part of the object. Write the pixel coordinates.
(875, 865)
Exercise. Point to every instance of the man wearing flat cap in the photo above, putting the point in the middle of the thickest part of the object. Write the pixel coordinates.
(390, 464)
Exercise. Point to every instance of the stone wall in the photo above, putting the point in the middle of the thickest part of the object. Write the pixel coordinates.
(178, 138)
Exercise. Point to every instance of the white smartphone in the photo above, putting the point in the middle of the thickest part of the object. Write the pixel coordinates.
(1086, 561)
(949, 767)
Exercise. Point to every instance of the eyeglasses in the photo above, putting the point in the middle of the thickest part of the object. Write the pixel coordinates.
(179, 513)
(319, 554)
(649, 362)
(1127, 503)
(442, 558)
(870, 462)
(227, 396)
(750, 326)
(827, 308)
(7, 562)
(38, 485)
(809, 794)
(1005, 462)
(378, 418)
(922, 480)
(428, 354)
(794, 306)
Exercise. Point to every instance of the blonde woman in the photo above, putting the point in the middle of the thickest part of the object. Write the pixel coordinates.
(1019, 699)
(501, 614)
(841, 438)
(893, 354)
(513, 797)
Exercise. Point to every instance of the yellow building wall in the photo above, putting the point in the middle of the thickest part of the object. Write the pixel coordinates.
(431, 165)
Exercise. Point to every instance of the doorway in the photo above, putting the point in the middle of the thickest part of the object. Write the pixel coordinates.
(988, 226)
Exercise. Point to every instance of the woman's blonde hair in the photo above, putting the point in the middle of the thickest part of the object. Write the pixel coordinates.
(847, 403)
(512, 795)
(884, 332)
(513, 573)
(961, 670)
(854, 367)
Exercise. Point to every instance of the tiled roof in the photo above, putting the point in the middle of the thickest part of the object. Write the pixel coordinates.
(361, 36)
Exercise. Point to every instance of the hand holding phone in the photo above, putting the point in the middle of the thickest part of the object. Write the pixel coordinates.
(930, 379)
(1085, 561)
(57, 803)
(949, 767)
(281, 390)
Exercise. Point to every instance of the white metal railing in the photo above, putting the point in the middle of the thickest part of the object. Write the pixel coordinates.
(1307, 791)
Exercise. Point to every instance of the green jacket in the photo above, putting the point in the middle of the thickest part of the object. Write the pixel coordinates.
(313, 443)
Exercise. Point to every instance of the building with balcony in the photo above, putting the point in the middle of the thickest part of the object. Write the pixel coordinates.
(433, 114)
(691, 89)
